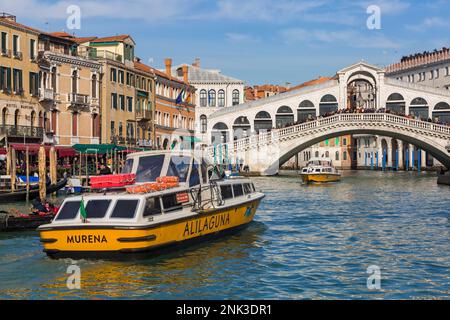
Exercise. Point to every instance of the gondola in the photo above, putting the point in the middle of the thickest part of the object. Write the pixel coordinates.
(19, 223)
(33, 193)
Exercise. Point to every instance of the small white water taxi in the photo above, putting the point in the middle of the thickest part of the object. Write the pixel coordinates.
(320, 170)
(173, 202)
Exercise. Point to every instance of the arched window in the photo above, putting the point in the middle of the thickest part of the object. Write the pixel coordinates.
(54, 78)
(344, 141)
(328, 104)
(284, 117)
(337, 156)
(94, 86)
(4, 116)
(74, 81)
(219, 133)
(221, 99)
(235, 97)
(16, 118)
(396, 103)
(419, 108)
(317, 154)
(203, 101)
(306, 111)
(212, 98)
(344, 155)
(327, 154)
(263, 121)
(203, 123)
(241, 128)
(441, 113)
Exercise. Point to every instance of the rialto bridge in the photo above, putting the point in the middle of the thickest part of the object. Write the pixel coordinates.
(266, 133)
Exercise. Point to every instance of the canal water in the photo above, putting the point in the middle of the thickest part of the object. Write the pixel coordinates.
(308, 242)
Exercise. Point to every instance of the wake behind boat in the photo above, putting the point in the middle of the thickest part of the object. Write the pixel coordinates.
(320, 170)
(173, 202)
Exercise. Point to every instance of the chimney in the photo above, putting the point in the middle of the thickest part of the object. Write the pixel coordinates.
(185, 73)
(168, 63)
(196, 63)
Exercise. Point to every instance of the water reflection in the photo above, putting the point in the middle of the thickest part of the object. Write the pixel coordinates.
(307, 242)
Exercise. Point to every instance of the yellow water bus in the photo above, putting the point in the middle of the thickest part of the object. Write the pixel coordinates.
(203, 206)
(320, 170)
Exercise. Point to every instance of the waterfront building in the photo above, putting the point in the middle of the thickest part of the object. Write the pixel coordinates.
(214, 91)
(379, 94)
(118, 86)
(263, 91)
(145, 104)
(175, 112)
(69, 92)
(19, 83)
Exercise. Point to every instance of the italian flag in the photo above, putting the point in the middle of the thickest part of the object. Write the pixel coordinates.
(83, 212)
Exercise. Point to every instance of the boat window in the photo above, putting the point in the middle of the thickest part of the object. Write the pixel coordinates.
(170, 203)
(128, 166)
(96, 209)
(194, 179)
(179, 167)
(247, 188)
(149, 168)
(237, 188)
(125, 209)
(69, 210)
(152, 207)
(226, 191)
(317, 170)
(253, 187)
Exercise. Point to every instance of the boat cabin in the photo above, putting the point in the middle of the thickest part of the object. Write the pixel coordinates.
(191, 169)
(139, 209)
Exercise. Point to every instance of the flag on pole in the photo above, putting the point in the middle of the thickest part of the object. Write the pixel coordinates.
(83, 212)
(180, 97)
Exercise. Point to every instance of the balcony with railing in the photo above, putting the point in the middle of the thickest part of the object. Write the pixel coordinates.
(77, 98)
(21, 131)
(5, 52)
(46, 94)
(143, 114)
(93, 53)
(17, 55)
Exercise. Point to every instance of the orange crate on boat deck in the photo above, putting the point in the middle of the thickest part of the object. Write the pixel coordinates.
(113, 180)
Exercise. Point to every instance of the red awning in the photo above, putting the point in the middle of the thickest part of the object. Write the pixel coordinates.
(3, 151)
(66, 152)
(33, 148)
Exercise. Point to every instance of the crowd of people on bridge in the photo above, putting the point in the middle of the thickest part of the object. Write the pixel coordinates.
(363, 110)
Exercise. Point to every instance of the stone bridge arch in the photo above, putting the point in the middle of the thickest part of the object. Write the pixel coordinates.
(265, 153)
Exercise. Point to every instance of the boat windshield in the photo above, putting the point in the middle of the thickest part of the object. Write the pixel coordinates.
(179, 167)
(149, 168)
(128, 166)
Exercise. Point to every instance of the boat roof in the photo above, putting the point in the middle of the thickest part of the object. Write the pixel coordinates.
(198, 154)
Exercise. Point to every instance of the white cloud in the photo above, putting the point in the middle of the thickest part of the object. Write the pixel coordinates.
(148, 10)
(388, 6)
(347, 38)
(428, 23)
(260, 10)
(241, 38)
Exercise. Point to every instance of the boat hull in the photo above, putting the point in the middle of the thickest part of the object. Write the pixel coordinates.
(320, 178)
(85, 241)
(32, 194)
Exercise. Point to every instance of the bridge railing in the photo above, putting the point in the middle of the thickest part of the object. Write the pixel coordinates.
(269, 137)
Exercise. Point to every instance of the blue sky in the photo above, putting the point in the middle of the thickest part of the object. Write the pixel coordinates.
(259, 41)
